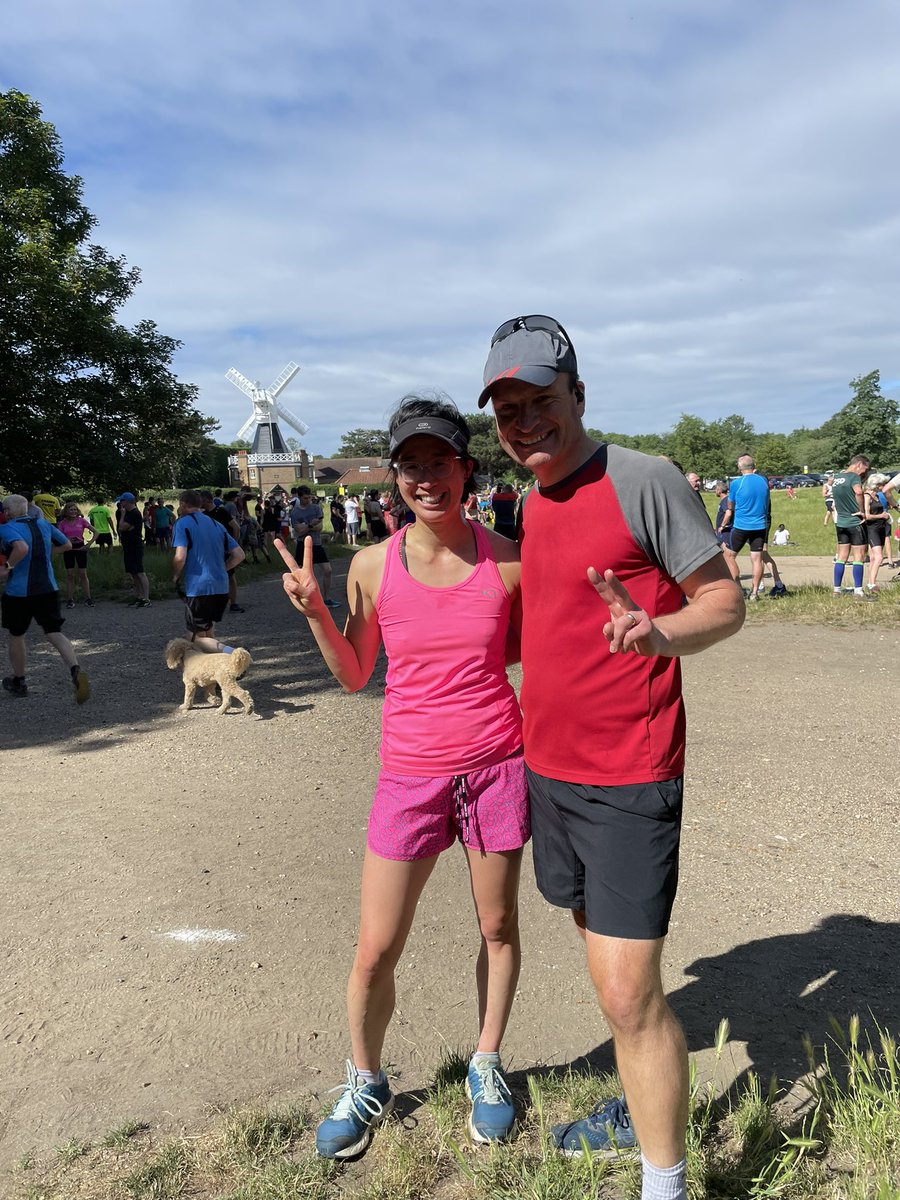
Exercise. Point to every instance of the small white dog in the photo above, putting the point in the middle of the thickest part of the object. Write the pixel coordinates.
(201, 670)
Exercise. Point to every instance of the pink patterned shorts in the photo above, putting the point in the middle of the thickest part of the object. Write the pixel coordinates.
(417, 817)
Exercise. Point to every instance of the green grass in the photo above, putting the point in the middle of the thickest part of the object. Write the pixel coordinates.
(742, 1145)
(123, 1136)
(803, 517)
(812, 605)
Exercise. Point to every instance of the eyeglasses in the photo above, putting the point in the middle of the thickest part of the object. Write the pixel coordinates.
(534, 322)
(413, 472)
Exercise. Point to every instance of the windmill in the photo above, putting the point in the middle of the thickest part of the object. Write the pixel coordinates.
(267, 439)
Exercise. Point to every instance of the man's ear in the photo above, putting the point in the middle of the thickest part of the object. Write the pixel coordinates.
(579, 392)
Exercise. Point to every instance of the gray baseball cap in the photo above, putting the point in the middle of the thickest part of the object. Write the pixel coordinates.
(534, 349)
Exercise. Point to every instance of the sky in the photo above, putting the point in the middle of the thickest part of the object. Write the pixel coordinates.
(704, 192)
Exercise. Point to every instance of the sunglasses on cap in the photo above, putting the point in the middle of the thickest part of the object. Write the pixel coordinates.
(532, 324)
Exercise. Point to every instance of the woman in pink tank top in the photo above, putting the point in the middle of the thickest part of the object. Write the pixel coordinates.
(442, 595)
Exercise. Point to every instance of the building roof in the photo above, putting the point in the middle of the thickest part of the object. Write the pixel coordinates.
(374, 477)
(327, 470)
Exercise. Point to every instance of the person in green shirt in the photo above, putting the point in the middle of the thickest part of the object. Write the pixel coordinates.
(849, 522)
(102, 519)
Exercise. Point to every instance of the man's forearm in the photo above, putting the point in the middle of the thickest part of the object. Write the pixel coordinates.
(714, 615)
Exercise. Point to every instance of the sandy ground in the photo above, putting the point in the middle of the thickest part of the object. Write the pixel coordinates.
(126, 821)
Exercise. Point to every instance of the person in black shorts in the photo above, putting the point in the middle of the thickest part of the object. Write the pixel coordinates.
(503, 503)
(749, 516)
(307, 519)
(338, 518)
(31, 594)
(204, 554)
(220, 513)
(849, 523)
(604, 621)
(131, 537)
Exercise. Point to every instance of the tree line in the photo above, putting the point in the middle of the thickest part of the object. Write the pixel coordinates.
(867, 424)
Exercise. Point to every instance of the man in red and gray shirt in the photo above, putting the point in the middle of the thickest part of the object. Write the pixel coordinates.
(604, 624)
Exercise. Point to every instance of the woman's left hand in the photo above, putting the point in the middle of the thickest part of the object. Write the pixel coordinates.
(629, 627)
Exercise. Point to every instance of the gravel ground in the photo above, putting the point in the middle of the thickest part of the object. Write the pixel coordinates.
(131, 826)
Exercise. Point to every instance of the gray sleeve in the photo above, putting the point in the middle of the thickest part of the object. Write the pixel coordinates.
(667, 518)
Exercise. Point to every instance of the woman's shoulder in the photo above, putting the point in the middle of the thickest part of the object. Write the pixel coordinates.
(370, 559)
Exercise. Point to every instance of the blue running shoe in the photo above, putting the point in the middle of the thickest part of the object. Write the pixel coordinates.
(493, 1116)
(360, 1107)
(606, 1132)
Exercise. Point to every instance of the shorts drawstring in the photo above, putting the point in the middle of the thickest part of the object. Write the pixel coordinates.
(461, 799)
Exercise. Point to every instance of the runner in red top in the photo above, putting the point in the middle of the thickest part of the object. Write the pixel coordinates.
(607, 610)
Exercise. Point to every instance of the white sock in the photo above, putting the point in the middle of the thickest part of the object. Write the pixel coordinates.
(487, 1058)
(663, 1183)
(370, 1077)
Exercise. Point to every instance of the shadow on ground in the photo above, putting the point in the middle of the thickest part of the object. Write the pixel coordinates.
(773, 991)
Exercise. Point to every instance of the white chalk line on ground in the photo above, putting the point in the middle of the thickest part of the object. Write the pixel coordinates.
(202, 935)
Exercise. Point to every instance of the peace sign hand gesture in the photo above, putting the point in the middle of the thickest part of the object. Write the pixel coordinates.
(629, 627)
(300, 582)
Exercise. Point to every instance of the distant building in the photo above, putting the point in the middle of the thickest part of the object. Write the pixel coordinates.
(366, 477)
(330, 470)
(262, 466)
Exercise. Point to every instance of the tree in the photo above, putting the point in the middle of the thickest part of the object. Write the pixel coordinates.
(646, 443)
(774, 455)
(867, 425)
(84, 401)
(363, 443)
(484, 445)
(698, 446)
(735, 436)
(812, 450)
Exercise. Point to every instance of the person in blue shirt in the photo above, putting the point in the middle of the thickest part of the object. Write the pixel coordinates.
(27, 545)
(204, 554)
(749, 515)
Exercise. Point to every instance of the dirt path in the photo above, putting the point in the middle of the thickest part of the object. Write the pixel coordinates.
(126, 821)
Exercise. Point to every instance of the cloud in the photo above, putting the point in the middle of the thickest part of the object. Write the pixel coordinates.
(702, 191)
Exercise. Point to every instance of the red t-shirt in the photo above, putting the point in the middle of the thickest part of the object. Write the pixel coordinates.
(590, 716)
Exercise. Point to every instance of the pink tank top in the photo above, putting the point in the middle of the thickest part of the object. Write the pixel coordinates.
(449, 707)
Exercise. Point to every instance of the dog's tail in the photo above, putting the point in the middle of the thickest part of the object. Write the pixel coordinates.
(242, 661)
(175, 652)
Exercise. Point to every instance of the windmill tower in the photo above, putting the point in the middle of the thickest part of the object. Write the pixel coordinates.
(269, 452)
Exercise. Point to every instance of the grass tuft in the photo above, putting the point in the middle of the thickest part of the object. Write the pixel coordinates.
(123, 1135)
(163, 1176)
(72, 1149)
(254, 1135)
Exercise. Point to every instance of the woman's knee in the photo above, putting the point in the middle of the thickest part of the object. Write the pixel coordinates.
(375, 958)
(500, 926)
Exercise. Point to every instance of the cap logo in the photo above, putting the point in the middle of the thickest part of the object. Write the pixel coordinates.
(424, 425)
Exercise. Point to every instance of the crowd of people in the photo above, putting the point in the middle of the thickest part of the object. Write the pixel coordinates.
(587, 763)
